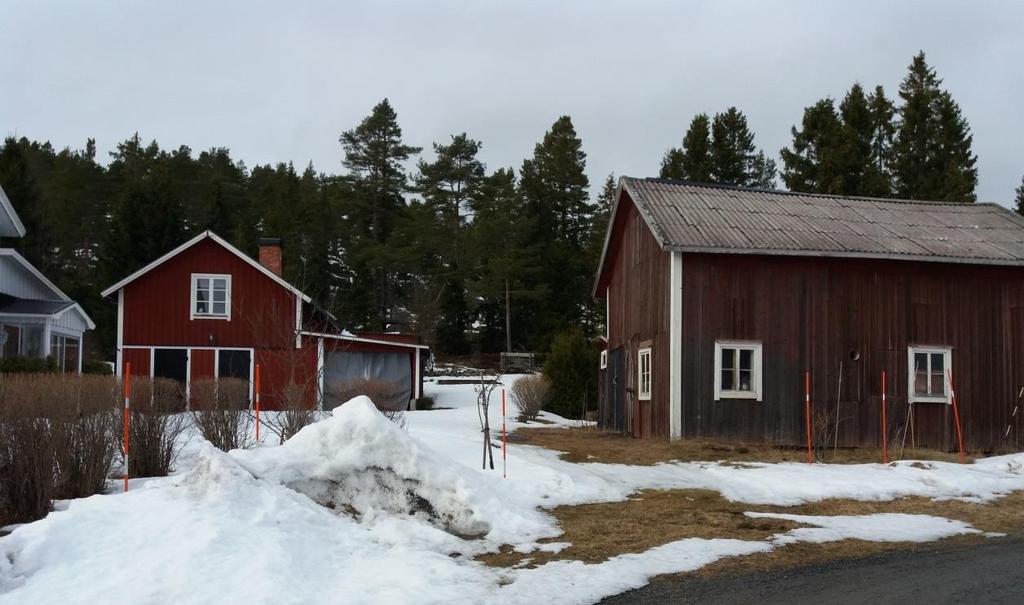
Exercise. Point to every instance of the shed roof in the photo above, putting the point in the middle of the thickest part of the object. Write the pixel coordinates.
(697, 217)
(705, 218)
(10, 224)
(22, 306)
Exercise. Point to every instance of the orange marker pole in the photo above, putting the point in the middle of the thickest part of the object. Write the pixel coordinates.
(956, 415)
(127, 408)
(885, 436)
(504, 453)
(807, 416)
(256, 400)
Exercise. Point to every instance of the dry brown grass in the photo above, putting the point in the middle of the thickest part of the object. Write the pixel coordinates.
(592, 445)
(655, 517)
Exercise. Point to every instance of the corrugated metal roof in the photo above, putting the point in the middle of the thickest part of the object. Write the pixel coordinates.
(698, 217)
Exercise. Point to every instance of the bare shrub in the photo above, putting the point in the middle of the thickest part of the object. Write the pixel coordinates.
(386, 395)
(293, 415)
(156, 429)
(27, 446)
(221, 412)
(530, 394)
(85, 432)
(823, 430)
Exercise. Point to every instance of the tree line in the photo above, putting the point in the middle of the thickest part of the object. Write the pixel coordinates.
(472, 259)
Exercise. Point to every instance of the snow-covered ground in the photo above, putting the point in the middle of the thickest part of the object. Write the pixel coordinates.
(355, 509)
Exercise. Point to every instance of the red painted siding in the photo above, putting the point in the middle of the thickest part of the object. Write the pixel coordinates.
(637, 278)
(202, 361)
(140, 360)
(157, 304)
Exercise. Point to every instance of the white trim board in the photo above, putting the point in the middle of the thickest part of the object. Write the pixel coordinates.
(195, 240)
(12, 215)
(361, 339)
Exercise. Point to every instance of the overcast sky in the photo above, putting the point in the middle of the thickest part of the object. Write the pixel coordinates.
(280, 82)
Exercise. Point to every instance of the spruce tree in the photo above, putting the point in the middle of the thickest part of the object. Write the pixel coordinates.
(1019, 200)
(693, 161)
(813, 163)
(554, 187)
(932, 150)
(878, 181)
(735, 159)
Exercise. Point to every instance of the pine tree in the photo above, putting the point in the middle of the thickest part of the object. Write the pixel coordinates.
(693, 161)
(932, 150)
(374, 156)
(735, 159)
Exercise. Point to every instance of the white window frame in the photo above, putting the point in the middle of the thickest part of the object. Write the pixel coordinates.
(604, 359)
(193, 297)
(756, 369)
(642, 393)
(947, 364)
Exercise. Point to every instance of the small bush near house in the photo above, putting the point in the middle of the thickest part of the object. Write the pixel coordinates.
(386, 395)
(572, 368)
(220, 410)
(294, 412)
(93, 366)
(157, 427)
(529, 395)
(56, 440)
(425, 403)
(28, 365)
(86, 442)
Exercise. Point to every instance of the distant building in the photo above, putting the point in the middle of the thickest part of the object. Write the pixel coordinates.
(36, 318)
(720, 299)
(206, 310)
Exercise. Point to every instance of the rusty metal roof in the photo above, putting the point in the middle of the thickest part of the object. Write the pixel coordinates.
(697, 217)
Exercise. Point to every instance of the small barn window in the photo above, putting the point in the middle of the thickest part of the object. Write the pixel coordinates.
(211, 296)
(737, 370)
(604, 359)
(928, 368)
(643, 364)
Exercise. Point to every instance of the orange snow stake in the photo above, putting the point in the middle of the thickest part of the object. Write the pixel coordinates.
(807, 416)
(504, 455)
(256, 401)
(956, 415)
(127, 423)
(885, 436)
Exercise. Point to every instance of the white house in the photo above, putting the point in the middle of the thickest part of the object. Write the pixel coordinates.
(36, 318)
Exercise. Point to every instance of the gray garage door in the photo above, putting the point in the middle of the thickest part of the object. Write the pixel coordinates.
(345, 368)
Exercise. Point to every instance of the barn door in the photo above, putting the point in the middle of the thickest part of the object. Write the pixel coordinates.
(616, 390)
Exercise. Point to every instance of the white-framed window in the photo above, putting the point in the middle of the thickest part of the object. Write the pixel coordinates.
(211, 296)
(737, 369)
(927, 372)
(604, 359)
(643, 366)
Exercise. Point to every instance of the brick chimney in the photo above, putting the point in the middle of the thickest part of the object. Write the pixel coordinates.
(270, 254)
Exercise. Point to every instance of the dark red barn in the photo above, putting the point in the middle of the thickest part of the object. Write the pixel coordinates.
(207, 310)
(720, 299)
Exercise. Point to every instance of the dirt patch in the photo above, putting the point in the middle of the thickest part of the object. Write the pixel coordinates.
(651, 518)
(592, 445)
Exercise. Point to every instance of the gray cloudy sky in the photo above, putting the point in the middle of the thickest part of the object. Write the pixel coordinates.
(280, 81)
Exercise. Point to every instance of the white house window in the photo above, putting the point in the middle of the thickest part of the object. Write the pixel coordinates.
(643, 364)
(211, 296)
(737, 370)
(928, 368)
(604, 359)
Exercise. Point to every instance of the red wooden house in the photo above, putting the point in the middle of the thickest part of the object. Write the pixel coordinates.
(720, 299)
(206, 310)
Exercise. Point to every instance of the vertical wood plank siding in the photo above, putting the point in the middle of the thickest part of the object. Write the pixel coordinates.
(813, 313)
(638, 310)
(157, 304)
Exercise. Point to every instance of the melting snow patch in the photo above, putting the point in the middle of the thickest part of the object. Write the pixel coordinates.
(880, 527)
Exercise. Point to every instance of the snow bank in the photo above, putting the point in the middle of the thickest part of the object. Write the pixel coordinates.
(359, 462)
(879, 527)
